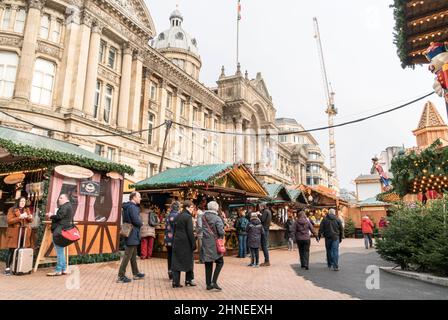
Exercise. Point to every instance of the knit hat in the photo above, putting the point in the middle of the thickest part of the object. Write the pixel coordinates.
(254, 215)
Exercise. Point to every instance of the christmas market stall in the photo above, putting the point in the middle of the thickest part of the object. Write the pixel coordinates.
(41, 168)
(231, 185)
(317, 200)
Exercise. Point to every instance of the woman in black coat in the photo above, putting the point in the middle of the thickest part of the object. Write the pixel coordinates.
(184, 245)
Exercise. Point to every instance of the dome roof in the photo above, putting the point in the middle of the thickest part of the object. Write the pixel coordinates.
(176, 36)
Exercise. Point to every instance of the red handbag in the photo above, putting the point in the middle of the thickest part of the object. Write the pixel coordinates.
(71, 234)
(220, 243)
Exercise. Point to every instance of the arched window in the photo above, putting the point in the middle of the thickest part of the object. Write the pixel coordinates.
(8, 70)
(43, 79)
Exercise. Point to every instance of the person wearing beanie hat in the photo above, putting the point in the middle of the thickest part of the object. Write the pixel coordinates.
(255, 233)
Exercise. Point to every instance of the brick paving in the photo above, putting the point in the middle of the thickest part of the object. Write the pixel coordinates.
(98, 281)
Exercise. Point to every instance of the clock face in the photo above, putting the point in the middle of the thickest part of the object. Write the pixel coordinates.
(90, 187)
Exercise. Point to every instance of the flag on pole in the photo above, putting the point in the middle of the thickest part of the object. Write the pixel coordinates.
(239, 9)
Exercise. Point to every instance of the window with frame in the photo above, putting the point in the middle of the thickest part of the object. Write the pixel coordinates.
(182, 108)
(193, 146)
(180, 142)
(150, 170)
(195, 114)
(111, 153)
(102, 51)
(97, 101)
(153, 94)
(42, 85)
(108, 103)
(6, 18)
(151, 119)
(56, 33)
(111, 57)
(44, 26)
(8, 71)
(99, 149)
(205, 151)
(19, 24)
(169, 100)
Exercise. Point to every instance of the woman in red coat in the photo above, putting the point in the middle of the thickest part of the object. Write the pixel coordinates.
(18, 216)
(367, 231)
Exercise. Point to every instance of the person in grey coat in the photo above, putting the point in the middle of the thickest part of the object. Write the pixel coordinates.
(212, 228)
(184, 244)
(255, 232)
(302, 229)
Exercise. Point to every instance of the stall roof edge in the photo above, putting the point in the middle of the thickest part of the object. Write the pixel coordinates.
(21, 143)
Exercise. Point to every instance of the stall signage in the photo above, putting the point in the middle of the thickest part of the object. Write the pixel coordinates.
(74, 172)
(90, 188)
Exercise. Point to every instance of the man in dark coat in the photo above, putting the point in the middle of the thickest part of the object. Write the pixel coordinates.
(131, 214)
(331, 228)
(61, 220)
(255, 233)
(266, 217)
(184, 245)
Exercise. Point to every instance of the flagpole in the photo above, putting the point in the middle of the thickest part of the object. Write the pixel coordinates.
(238, 32)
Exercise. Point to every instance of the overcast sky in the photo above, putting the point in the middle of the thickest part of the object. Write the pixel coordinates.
(276, 39)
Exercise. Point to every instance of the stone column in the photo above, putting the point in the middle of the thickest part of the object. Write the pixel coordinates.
(247, 144)
(28, 54)
(239, 140)
(162, 107)
(228, 140)
(92, 70)
(14, 9)
(64, 97)
(145, 104)
(136, 91)
(125, 88)
(81, 63)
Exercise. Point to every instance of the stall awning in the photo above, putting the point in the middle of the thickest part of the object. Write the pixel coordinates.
(280, 192)
(225, 178)
(23, 147)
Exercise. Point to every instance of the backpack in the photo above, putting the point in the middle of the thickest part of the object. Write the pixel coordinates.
(244, 224)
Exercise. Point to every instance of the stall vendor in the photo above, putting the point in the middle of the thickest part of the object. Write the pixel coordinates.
(18, 216)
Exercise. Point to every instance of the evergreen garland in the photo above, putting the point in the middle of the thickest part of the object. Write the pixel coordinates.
(41, 156)
(407, 168)
(399, 7)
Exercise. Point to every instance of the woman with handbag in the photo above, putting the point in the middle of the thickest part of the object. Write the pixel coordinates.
(18, 216)
(213, 244)
(60, 221)
(147, 231)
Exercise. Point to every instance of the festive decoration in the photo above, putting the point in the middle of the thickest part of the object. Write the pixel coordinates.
(388, 196)
(437, 55)
(45, 156)
(428, 170)
(383, 176)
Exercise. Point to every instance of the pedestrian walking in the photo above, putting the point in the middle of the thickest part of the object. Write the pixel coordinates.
(184, 245)
(131, 215)
(199, 214)
(150, 221)
(331, 229)
(367, 231)
(255, 233)
(302, 229)
(169, 234)
(266, 218)
(289, 231)
(382, 225)
(212, 229)
(63, 219)
(18, 216)
(241, 225)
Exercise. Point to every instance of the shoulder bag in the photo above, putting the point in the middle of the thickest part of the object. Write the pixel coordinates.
(220, 243)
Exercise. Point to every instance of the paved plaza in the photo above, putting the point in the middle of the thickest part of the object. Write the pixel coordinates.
(284, 280)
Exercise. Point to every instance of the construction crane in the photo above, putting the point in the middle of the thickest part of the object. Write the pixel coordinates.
(329, 96)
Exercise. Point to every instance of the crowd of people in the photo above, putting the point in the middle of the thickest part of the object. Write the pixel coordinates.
(190, 226)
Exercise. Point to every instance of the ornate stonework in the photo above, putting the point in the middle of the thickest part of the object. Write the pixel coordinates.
(49, 49)
(108, 75)
(36, 4)
(11, 41)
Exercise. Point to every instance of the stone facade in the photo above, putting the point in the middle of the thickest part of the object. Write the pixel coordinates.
(87, 68)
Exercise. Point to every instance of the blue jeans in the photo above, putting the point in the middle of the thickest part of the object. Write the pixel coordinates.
(332, 247)
(265, 245)
(242, 238)
(368, 240)
(61, 263)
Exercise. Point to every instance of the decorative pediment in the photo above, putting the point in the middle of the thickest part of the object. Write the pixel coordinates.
(261, 87)
(136, 10)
